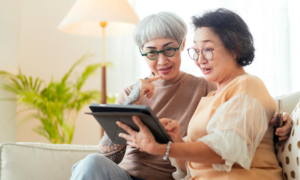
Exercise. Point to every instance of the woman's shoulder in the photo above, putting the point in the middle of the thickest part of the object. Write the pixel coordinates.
(250, 79)
(247, 84)
(252, 86)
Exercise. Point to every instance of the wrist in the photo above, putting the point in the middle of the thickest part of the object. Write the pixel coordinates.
(158, 149)
(179, 139)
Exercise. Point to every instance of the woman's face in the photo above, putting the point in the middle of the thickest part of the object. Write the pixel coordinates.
(167, 67)
(223, 62)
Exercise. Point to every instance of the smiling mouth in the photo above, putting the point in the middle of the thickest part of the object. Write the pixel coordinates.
(206, 69)
(165, 69)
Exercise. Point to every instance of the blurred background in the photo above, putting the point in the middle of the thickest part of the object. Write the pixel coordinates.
(30, 40)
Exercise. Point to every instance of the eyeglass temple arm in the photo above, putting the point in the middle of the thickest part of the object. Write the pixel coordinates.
(142, 53)
(179, 46)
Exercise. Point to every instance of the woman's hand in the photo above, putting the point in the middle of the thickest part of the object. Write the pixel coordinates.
(173, 129)
(284, 131)
(143, 140)
(141, 88)
(147, 88)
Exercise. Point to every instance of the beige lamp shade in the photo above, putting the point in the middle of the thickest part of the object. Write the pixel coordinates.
(85, 16)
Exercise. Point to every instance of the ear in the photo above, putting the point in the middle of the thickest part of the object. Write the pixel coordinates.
(183, 44)
(234, 54)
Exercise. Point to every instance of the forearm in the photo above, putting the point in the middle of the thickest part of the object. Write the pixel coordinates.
(114, 152)
(197, 152)
(180, 162)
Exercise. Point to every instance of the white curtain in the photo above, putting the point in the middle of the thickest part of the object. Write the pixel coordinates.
(274, 25)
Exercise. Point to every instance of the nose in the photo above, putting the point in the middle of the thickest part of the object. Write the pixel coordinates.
(201, 59)
(162, 59)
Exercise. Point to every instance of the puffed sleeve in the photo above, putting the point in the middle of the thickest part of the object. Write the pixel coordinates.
(235, 130)
(179, 174)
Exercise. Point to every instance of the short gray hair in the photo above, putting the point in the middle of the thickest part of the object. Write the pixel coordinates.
(160, 25)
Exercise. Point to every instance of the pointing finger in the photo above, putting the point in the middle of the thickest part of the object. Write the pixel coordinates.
(151, 79)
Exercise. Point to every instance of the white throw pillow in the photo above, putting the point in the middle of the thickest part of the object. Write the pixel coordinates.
(288, 153)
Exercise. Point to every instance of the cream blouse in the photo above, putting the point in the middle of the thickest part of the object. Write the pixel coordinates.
(233, 123)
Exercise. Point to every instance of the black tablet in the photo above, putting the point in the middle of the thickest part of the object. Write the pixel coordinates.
(108, 114)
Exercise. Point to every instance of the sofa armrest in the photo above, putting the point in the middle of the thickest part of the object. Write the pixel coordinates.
(35, 161)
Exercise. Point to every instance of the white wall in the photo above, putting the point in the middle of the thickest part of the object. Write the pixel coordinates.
(7, 121)
(274, 25)
(10, 16)
(294, 22)
(46, 52)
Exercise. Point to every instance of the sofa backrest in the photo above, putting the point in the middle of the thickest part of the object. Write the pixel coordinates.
(289, 101)
(36, 161)
(288, 152)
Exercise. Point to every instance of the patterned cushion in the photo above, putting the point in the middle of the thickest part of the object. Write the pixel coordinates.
(288, 153)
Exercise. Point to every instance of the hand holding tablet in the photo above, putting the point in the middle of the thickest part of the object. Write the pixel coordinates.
(107, 116)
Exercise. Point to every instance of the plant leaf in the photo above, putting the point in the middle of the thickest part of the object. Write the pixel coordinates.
(84, 57)
(89, 70)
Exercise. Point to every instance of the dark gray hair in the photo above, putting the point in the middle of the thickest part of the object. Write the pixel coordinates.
(160, 25)
(232, 30)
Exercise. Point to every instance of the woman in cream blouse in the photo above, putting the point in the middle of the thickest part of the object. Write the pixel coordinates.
(229, 136)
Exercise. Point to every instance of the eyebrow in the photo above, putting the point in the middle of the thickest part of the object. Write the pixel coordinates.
(206, 40)
(151, 47)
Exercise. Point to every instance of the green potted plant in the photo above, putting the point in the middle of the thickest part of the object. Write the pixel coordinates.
(56, 104)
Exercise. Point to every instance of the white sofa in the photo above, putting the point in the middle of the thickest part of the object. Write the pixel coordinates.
(40, 161)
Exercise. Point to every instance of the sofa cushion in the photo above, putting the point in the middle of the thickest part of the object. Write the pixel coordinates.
(289, 152)
(36, 161)
(289, 101)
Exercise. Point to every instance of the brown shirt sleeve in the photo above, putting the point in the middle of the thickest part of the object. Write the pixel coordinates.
(123, 95)
(211, 86)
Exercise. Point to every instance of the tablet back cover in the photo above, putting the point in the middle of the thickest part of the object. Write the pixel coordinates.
(108, 123)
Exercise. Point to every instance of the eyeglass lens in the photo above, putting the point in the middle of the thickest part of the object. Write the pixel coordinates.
(206, 52)
(152, 54)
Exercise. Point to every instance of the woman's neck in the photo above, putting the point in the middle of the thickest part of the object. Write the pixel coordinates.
(238, 72)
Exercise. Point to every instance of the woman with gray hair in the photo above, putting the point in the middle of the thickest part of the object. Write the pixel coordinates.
(161, 40)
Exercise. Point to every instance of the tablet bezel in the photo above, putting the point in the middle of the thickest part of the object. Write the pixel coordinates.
(125, 111)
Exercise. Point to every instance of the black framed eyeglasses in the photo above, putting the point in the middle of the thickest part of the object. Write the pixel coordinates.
(168, 51)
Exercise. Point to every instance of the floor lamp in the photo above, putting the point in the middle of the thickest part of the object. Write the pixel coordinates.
(100, 18)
